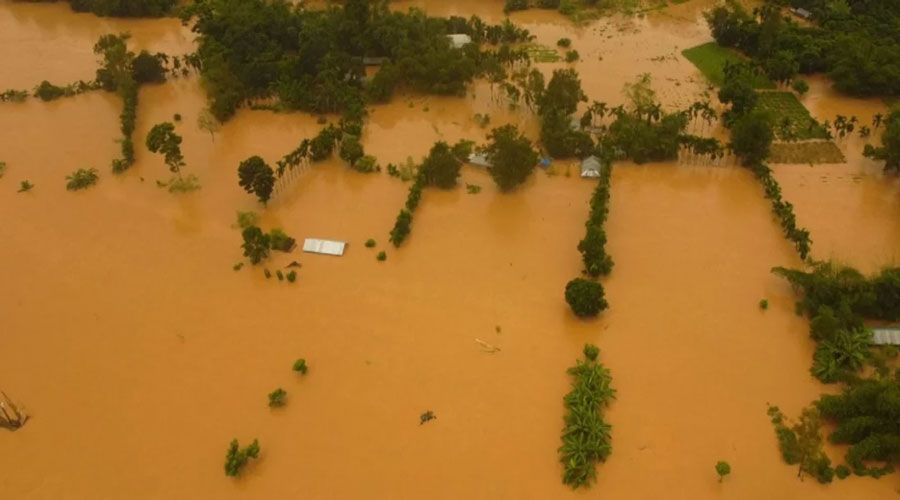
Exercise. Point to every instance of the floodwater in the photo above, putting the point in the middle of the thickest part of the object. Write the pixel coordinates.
(140, 353)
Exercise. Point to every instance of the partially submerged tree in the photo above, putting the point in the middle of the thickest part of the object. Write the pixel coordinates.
(236, 457)
(722, 469)
(889, 151)
(11, 417)
(256, 176)
(441, 167)
(256, 244)
(206, 121)
(511, 156)
(163, 139)
(585, 297)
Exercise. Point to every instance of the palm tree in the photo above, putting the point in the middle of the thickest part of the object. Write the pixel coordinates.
(865, 131)
(877, 119)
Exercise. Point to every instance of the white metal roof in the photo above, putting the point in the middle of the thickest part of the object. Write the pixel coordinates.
(886, 336)
(459, 40)
(479, 159)
(590, 167)
(327, 247)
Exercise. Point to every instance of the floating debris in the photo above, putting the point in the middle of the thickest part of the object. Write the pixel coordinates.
(425, 417)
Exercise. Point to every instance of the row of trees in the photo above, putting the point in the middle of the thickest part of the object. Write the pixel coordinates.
(593, 246)
(751, 140)
(867, 411)
(586, 435)
(857, 44)
(313, 59)
(119, 8)
(439, 169)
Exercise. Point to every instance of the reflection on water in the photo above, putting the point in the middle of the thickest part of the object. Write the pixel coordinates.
(141, 354)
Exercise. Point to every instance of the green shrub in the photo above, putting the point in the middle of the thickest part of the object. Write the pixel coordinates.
(291, 276)
(300, 366)
(247, 219)
(267, 273)
(278, 240)
(585, 297)
(2, 168)
(279, 274)
(184, 184)
(564, 43)
(256, 244)
(801, 87)
(238, 266)
(514, 5)
(25, 186)
(176, 117)
(370, 243)
(572, 56)
(382, 256)
(590, 352)
(763, 304)
(82, 178)
(48, 92)
(722, 469)
(401, 227)
(841, 471)
(277, 398)
(586, 436)
(236, 458)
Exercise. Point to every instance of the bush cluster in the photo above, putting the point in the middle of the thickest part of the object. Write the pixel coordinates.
(82, 178)
(593, 247)
(585, 297)
(586, 436)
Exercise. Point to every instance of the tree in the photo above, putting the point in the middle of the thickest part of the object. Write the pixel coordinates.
(889, 151)
(511, 156)
(441, 167)
(751, 137)
(256, 244)
(722, 469)
(351, 149)
(208, 122)
(737, 90)
(256, 176)
(163, 139)
(148, 68)
(585, 297)
(563, 92)
(401, 227)
(236, 457)
(800, 86)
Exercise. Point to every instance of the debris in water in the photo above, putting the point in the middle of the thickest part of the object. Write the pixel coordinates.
(425, 417)
(491, 348)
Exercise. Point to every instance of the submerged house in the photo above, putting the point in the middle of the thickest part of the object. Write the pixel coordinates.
(325, 247)
(459, 40)
(886, 336)
(479, 159)
(590, 167)
(801, 13)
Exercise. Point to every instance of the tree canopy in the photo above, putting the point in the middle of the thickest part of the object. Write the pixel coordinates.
(511, 156)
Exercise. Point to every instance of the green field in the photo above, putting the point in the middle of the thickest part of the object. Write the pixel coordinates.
(710, 59)
(785, 105)
(806, 153)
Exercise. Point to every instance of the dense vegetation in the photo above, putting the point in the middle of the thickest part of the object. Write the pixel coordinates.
(585, 297)
(511, 157)
(236, 457)
(751, 140)
(867, 412)
(593, 245)
(889, 151)
(304, 59)
(801, 443)
(586, 436)
(120, 8)
(82, 178)
(856, 43)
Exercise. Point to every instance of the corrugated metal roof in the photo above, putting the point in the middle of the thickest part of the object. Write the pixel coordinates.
(479, 159)
(327, 247)
(590, 167)
(886, 336)
(459, 40)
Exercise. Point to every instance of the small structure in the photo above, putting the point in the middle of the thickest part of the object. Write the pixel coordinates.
(801, 13)
(459, 40)
(374, 61)
(590, 167)
(325, 247)
(886, 336)
(479, 159)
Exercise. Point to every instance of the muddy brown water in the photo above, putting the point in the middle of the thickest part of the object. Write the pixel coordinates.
(141, 354)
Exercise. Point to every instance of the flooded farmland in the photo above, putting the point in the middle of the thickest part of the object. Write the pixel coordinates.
(140, 353)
